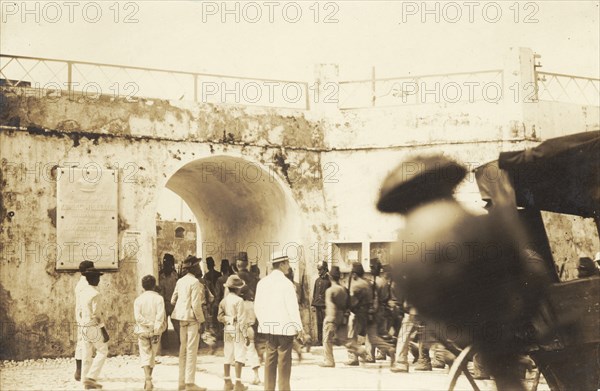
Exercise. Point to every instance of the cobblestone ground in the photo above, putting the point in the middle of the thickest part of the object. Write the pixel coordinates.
(124, 373)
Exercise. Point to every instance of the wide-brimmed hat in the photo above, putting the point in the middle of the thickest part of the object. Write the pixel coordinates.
(190, 261)
(92, 272)
(335, 272)
(234, 281)
(279, 256)
(419, 180)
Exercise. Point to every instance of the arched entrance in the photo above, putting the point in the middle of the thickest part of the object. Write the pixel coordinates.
(239, 205)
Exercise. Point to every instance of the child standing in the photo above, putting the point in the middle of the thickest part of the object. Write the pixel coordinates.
(149, 311)
(248, 332)
(231, 314)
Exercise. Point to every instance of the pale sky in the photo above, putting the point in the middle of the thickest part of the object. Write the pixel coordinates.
(173, 35)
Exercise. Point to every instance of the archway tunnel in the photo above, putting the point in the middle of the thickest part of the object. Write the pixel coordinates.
(239, 206)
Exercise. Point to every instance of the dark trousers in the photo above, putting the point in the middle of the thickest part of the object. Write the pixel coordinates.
(375, 341)
(278, 362)
(165, 344)
(320, 317)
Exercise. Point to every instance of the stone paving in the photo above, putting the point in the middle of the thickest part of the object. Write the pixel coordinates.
(124, 373)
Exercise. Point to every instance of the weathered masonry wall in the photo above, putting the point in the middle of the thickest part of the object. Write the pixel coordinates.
(255, 178)
(149, 142)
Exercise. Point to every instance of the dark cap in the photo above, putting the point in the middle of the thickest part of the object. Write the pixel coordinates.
(322, 266)
(224, 265)
(242, 256)
(190, 261)
(85, 265)
(169, 258)
(246, 293)
(419, 180)
(358, 268)
(335, 272)
(586, 263)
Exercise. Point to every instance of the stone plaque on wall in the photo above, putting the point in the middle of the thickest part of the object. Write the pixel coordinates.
(87, 218)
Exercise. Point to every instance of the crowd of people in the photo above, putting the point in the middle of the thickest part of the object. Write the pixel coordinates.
(257, 319)
(234, 305)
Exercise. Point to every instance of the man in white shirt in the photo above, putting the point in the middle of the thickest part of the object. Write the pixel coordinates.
(94, 334)
(278, 315)
(149, 312)
(81, 284)
(188, 298)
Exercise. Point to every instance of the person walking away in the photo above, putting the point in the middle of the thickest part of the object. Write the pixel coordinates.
(231, 314)
(243, 272)
(220, 291)
(167, 278)
(211, 278)
(188, 299)
(318, 302)
(376, 319)
(150, 322)
(361, 300)
(81, 284)
(207, 335)
(278, 315)
(94, 334)
(336, 300)
(254, 269)
(297, 345)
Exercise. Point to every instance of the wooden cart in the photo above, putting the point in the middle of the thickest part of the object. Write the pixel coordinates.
(560, 175)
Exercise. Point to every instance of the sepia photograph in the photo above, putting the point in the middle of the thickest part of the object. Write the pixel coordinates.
(309, 195)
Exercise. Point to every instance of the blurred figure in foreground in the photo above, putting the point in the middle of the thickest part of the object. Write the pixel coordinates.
(457, 268)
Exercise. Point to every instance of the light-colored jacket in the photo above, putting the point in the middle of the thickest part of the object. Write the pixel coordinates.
(149, 312)
(188, 298)
(276, 305)
(91, 307)
(231, 313)
(81, 284)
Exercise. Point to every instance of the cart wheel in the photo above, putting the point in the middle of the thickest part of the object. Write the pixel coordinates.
(460, 367)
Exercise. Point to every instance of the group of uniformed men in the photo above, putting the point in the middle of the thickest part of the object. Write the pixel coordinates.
(369, 310)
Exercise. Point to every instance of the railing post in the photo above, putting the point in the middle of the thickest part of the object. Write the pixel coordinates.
(537, 65)
(326, 82)
(520, 108)
(69, 77)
